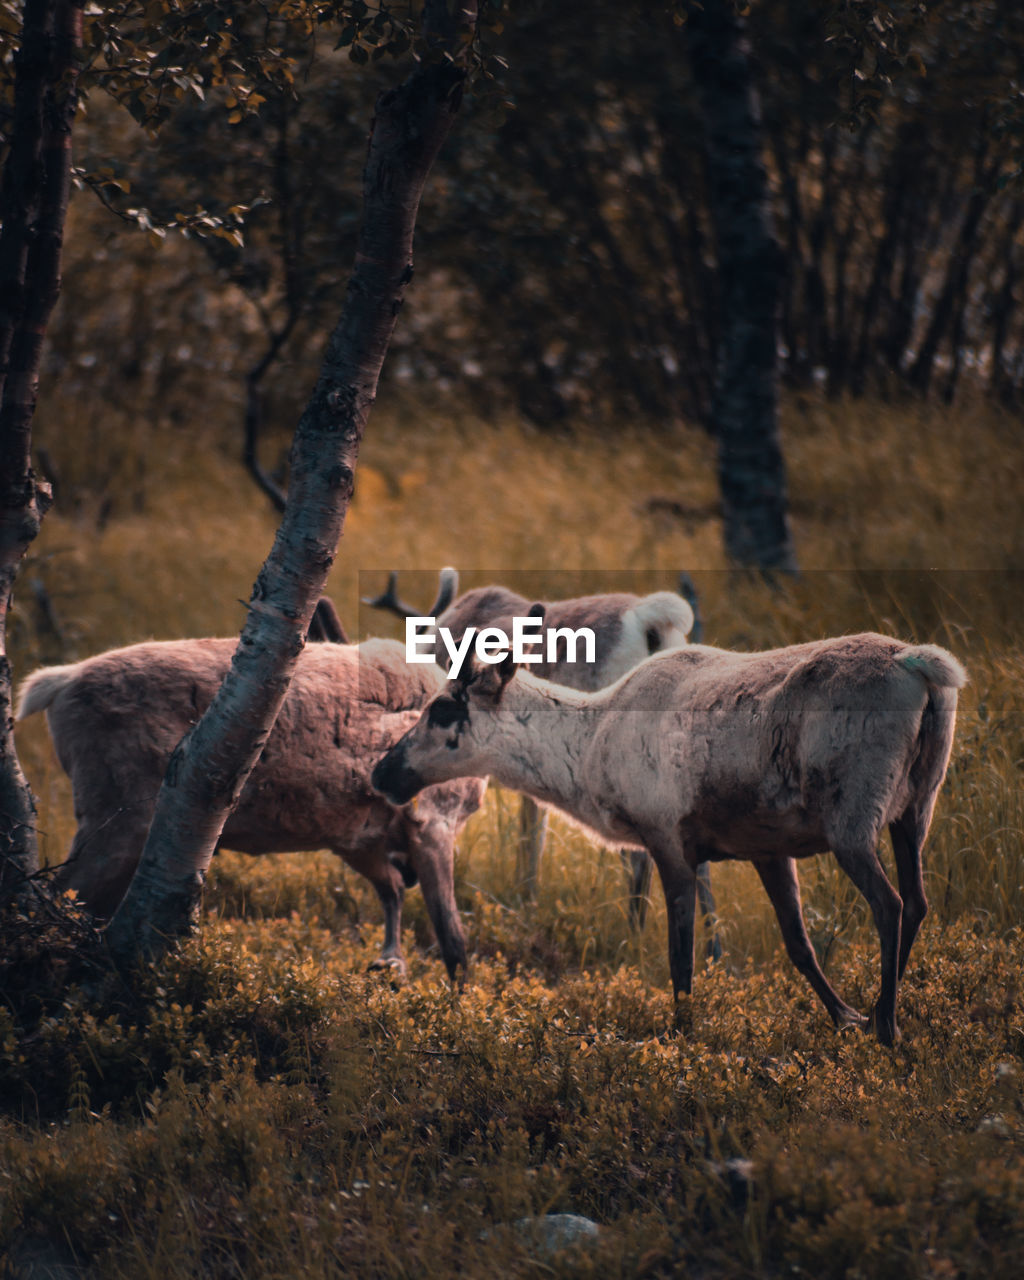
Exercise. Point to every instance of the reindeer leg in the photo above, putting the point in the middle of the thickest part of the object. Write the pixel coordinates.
(862, 866)
(706, 897)
(103, 858)
(778, 875)
(679, 882)
(533, 827)
(432, 858)
(391, 891)
(907, 838)
(638, 867)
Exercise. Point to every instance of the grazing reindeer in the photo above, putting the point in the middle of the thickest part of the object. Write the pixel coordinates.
(702, 754)
(116, 718)
(627, 629)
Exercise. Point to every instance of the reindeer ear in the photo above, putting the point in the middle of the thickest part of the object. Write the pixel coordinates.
(491, 678)
(507, 668)
(470, 673)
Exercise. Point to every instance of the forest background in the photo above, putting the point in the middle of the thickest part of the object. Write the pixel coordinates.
(542, 410)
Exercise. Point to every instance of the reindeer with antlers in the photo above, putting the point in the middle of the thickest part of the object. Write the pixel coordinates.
(627, 629)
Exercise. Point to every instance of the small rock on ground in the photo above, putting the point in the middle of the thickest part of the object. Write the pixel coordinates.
(555, 1232)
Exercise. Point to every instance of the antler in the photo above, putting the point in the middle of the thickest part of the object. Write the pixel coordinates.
(447, 587)
(389, 600)
(447, 590)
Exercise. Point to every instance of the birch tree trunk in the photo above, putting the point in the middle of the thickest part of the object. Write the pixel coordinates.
(209, 767)
(744, 413)
(33, 208)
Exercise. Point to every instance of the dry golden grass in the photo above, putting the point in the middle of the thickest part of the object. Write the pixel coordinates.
(262, 1108)
(898, 522)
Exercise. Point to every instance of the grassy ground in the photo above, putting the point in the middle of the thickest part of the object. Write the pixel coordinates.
(262, 1107)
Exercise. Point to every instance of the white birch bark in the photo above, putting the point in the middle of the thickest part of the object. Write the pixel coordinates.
(211, 764)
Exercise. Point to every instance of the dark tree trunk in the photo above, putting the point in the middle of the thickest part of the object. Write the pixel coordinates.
(254, 415)
(289, 222)
(744, 414)
(796, 365)
(210, 766)
(696, 279)
(818, 332)
(33, 207)
(900, 179)
(1003, 304)
(844, 239)
(958, 267)
(914, 256)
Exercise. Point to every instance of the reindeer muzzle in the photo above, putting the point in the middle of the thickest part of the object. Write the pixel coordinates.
(393, 779)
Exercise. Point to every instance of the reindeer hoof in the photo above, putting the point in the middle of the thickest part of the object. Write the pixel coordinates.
(848, 1019)
(886, 1031)
(394, 966)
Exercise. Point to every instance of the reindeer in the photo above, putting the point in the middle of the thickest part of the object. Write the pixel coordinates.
(701, 754)
(627, 629)
(116, 718)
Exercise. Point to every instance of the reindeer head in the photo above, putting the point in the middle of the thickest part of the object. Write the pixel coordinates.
(451, 736)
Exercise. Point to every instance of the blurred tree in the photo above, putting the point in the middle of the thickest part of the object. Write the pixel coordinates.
(898, 183)
(874, 115)
(51, 54)
(149, 57)
(210, 766)
(43, 96)
(744, 411)
(572, 243)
